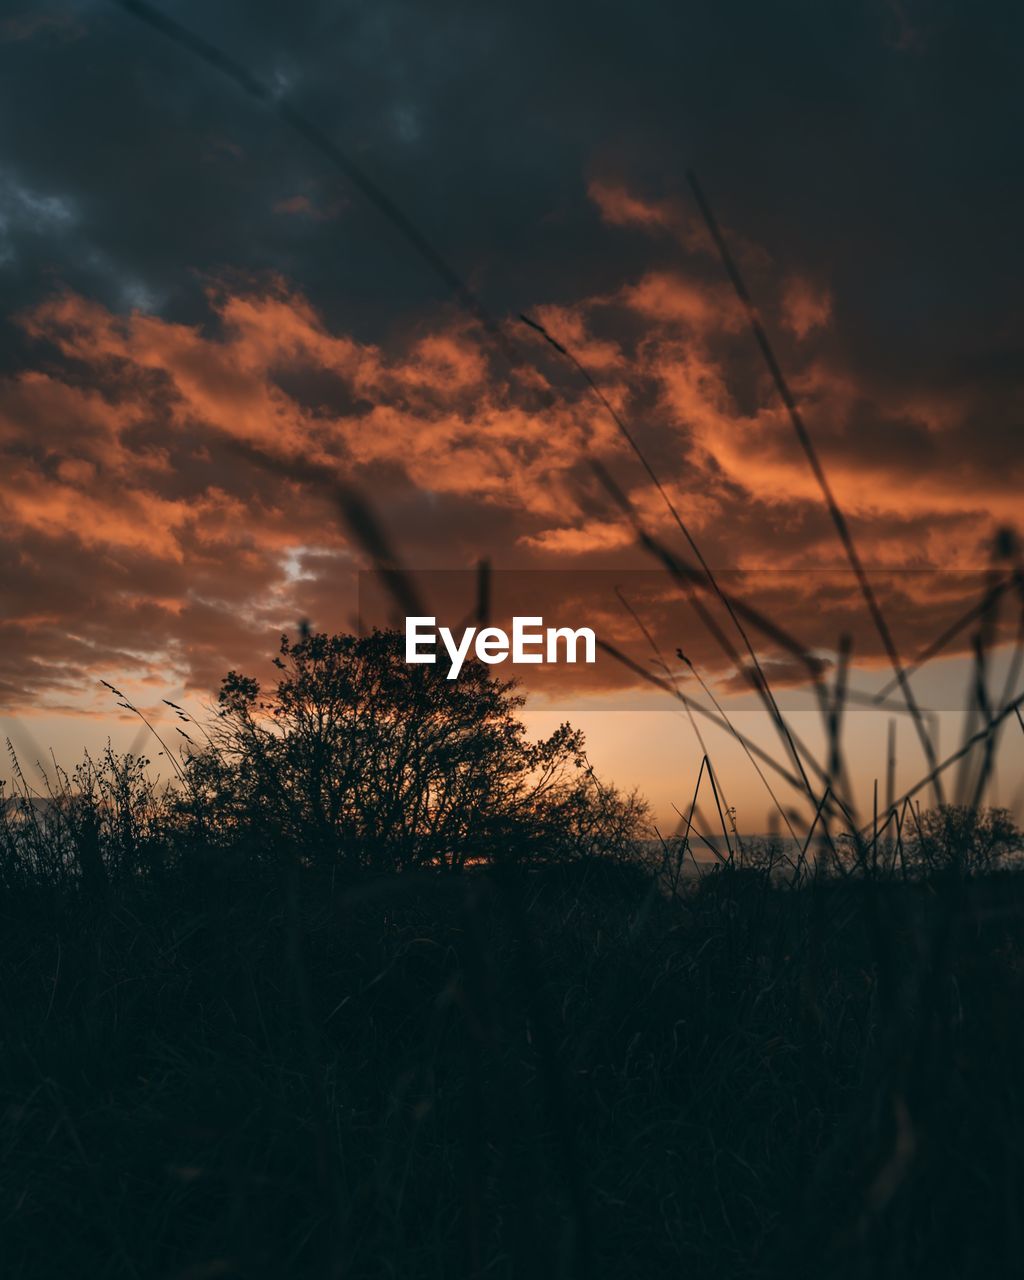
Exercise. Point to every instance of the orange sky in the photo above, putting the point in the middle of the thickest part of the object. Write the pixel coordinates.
(167, 497)
(172, 455)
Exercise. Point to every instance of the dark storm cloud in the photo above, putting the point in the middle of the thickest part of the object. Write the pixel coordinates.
(869, 144)
(186, 281)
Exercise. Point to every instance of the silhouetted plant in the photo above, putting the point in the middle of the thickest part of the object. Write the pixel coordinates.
(356, 757)
(105, 818)
(961, 839)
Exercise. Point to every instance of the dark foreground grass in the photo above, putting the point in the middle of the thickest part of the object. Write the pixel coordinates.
(221, 1072)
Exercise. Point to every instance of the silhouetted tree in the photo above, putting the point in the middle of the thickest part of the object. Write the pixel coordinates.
(962, 839)
(358, 757)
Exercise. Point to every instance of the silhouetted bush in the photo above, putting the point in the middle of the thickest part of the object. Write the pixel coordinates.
(354, 760)
(107, 818)
(359, 759)
(955, 838)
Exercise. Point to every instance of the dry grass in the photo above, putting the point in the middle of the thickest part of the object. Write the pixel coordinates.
(211, 1071)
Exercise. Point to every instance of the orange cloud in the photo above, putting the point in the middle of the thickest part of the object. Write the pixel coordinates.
(673, 300)
(132, 511)
(622, 209)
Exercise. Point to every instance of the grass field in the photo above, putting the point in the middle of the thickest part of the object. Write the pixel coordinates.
(221, 1070)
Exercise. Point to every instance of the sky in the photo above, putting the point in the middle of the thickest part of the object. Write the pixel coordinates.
(207, 329)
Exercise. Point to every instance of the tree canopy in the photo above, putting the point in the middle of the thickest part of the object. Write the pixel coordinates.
(357, 757)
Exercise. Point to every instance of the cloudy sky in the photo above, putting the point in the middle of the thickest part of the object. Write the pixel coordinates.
(206, 323)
